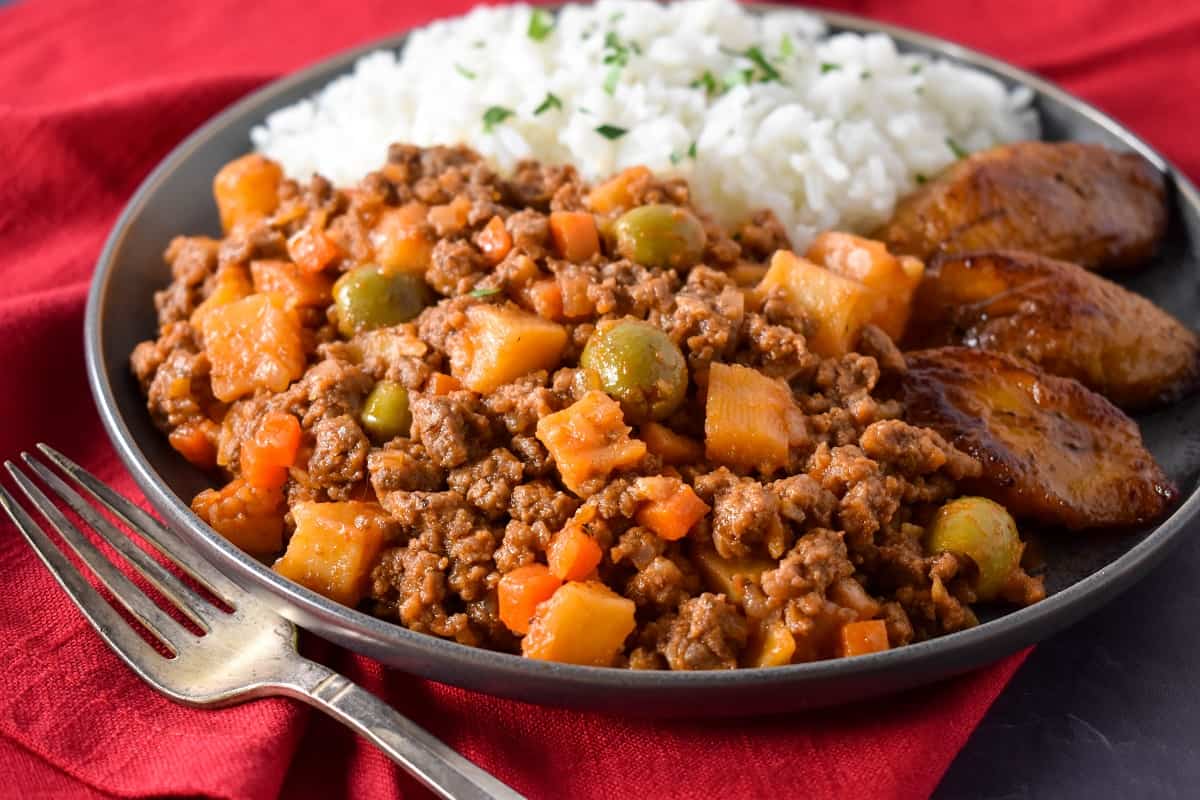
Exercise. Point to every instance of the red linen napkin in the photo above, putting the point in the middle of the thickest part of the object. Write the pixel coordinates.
(92, 94)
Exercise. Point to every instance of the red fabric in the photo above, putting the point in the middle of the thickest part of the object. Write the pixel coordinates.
(92, 94)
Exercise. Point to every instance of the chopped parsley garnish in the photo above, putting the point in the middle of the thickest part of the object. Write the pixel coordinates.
(616, 53)
(786, 48)
(956, 148)
(615, 18)
(485, 292)
(866, 74)
(692, 150)
(611, 131)
(610, 80)
(914, 69)
(541, 24)
(920, 178)
(709, 82)
(769, 73)
(737, 77)
(829, 66)
(494, 116)
(550, 102)
(478, 43)
(466, 73)
(676, 158)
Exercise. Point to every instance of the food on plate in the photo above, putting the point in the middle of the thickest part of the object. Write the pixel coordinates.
(1061, 317)
(615, 381)
(756, 109)
(1051, 449)
(1084, 203)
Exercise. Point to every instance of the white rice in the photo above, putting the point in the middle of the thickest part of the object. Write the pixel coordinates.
(848, 126)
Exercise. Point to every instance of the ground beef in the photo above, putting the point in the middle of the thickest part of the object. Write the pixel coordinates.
(706, 319)
(878, 345)
(455, 268)
(530, 232)
(815, 562)
(541, 501)
(409, 585)
(488, 483)
(519, 405)
(707, 633)
(745, 516)
(339, 455)
(659, 585)
(403, 465)
(449, 426)
(762, 235)
(180, 389)
(329, 388)
(915, 451)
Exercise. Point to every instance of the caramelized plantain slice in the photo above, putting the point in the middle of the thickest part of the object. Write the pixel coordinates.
(1063, 318)
(1080, 202)
(1052, 450)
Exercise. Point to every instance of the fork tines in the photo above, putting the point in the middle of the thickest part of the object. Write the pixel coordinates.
(169, 632)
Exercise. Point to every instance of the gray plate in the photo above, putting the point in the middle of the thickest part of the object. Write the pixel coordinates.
(1084, 571)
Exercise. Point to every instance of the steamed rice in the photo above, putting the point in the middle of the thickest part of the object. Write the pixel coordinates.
(756, 110)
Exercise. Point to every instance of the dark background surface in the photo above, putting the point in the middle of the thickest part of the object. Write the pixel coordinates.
(1109, 708)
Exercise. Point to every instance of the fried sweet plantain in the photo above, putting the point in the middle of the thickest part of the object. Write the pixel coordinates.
(1052, 450)
(1063, 318)
(1083, 203)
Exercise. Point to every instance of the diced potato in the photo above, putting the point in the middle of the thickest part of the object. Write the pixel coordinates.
(248, 516)
(748, 273)
(671, 447)
(721, 574)
(334, 547)
(616, 193)
(582, 623)
(836, 306)
(246, 188)
(749, 419)
(400, 239)
(298, 287)
(869, 262)
(233, 283)
(500, 344)
(253, 343)
(589, 439)
(771, 646)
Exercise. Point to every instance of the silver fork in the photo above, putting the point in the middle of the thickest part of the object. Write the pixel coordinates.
(242, 655)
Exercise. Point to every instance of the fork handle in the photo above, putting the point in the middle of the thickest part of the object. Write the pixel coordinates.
(416, 750)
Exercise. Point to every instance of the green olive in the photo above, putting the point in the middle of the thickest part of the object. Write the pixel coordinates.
(385, 415)
(368, 298)
(660, 236)
(984, 531)
(639, 366)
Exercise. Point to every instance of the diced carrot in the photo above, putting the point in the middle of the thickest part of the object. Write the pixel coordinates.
(266, 457)
(400, 239)
(616, 194)
(572, 554)
(196, 440)
(575, 235)
(672, 508)
(671, 447)
(589, 439)
(248, 516)
(334, 547)
(247, 188)
(312, 249)
(440, 384)
(494, 241)
(860, 638)
(519, 593)
(298, 286)
(748, 418)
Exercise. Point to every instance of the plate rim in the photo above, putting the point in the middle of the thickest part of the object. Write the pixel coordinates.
(960, 651)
